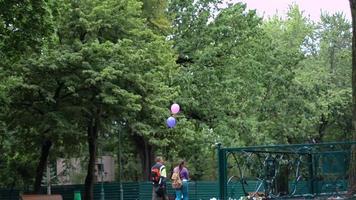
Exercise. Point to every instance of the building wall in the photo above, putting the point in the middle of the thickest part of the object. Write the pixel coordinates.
(109, 168)
(71, 171)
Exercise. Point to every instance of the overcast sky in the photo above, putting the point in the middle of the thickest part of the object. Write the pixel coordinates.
(311, 8)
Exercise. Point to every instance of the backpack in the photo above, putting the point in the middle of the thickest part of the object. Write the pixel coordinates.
(176, 181)
(156, 174)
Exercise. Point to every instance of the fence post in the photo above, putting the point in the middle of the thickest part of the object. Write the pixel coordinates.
(222, 172)
(311, 173)
(195, 189)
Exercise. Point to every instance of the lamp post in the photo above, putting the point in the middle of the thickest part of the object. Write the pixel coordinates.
(48, 178)
(120, 165)
(101, 172)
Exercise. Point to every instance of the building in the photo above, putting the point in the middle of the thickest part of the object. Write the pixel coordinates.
(74, 170)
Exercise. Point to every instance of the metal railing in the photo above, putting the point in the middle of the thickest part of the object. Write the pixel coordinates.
(284, 171)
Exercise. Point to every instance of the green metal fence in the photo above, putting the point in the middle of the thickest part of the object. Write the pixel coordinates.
(284, 171)
(9, 194)
(201, 190)
(276, 171)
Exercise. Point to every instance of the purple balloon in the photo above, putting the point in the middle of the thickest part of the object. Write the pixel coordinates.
(171, 122)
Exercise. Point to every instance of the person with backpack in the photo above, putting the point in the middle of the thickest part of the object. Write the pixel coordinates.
(180, 179)
(158, 178)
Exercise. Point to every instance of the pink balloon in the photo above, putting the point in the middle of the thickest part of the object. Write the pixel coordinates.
(175, 108)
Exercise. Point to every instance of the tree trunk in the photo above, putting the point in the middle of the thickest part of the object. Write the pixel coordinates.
(92, 136)
(46, 146)
(148, 160)
(321, 129)
(352, 172)
(146, 154)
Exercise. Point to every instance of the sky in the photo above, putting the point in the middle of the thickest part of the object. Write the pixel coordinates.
(311, 8)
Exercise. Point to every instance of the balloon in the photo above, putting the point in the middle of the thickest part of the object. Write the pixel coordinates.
(175, 108)
(171, 122)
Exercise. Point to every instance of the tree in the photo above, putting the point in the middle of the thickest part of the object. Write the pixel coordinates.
(334, 57)
(24, 27)
(352, 174)
(101, 64)
(287, 107)
(120, 70)
(224, 61)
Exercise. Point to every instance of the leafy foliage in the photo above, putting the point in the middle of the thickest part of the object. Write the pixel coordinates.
(83, 71)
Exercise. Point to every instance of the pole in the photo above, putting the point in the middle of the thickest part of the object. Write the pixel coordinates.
(120, 167)
(48, 179)
(222, 172)
(102, 193)
(311, 173)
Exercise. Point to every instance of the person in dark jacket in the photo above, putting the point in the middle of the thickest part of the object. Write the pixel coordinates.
(159, 177)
